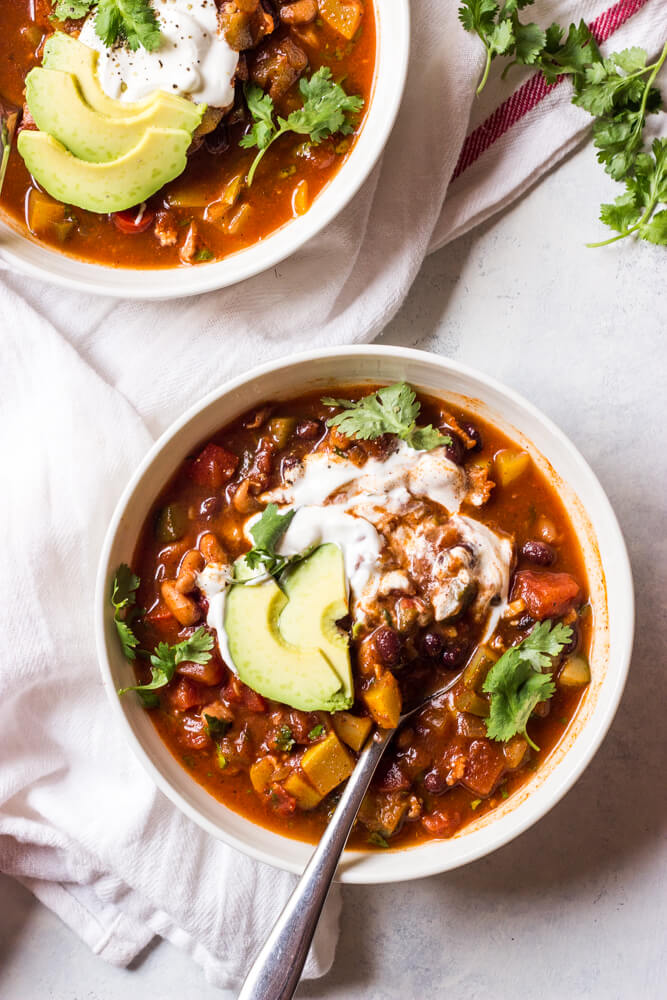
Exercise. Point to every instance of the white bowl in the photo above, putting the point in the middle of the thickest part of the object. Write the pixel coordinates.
(605, 558)
(392, 47)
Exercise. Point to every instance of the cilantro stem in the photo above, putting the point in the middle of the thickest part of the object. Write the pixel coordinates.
(485, 74)
(256, 161)
(530, 742)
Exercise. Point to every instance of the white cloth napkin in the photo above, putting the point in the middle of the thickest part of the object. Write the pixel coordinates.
(86, 384)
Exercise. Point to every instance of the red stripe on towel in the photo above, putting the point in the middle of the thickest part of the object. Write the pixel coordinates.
(535, 90)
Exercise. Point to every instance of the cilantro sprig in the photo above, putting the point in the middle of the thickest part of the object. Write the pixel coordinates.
(123, 600)
(618, 90)
(325, 111)
(266, 533)
(518, 681)
(164, 660)
(131, 22)
(391, 410)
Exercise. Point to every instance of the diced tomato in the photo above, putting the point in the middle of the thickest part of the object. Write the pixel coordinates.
(232, 692)
(252, 700)
(441, 823)
(484, 765)
(159, 614)
(546, 595)
(194, 733)
(134, 220)
(210, 673)
(214, 467)
(185, 695)
(283, 802)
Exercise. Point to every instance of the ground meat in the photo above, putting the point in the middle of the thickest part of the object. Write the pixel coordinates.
(278, 65)
(165, 229)
(244, 23)
(480, 485)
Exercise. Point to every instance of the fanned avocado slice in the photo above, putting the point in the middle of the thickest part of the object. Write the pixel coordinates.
(285, 644)
(106, 187)
(58, 107)
(69, 55)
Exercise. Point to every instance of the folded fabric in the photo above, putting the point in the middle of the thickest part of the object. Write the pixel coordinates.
(86, 386)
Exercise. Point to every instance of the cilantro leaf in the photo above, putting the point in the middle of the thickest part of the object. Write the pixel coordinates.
(478, 15)
(392, 410)
(260, 106)
(325, 111)
(131, 21)
(377, 840)
(634, 212)
(285, 740)
(530, 39)
(316, 732)
(262, 557)
(272, 525)
(164, 660)
(516, 682)
(72, 9)
(123, 600)
(216, 726)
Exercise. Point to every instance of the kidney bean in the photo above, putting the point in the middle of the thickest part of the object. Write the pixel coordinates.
(435, 782)
(472, 432)
(308, 430)
(455, 451)
(540, 553)
(453, 656)
(393, 778)
(210, 507)
(388, 645)
(431, 644)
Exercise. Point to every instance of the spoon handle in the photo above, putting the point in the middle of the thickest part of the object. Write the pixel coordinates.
(277, 969)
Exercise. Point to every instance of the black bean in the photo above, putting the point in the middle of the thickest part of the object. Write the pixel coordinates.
(455, 451)
(573, 643)
(217, 141)
(435, 782)
(210, 507)
(472, 432)
(525, 621)
(453, 656)
(388, 645)
(308, 430)
(431, 644)
(538, 552)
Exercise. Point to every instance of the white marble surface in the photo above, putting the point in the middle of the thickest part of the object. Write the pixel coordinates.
(576, 907)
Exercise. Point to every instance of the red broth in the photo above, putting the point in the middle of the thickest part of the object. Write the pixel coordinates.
(442, 769)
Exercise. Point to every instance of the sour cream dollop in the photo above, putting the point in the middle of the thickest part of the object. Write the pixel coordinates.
(193, 60)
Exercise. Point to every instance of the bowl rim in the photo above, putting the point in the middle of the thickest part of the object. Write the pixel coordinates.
(408, 864)
(27, 257)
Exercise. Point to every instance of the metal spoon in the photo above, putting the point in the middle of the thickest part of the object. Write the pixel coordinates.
(9, 116)
(277, 969)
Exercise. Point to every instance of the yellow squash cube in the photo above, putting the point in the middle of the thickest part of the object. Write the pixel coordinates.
(327, 764)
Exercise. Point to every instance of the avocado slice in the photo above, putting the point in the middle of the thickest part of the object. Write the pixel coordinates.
(285, 644)
(106, 187)
(317, 595)
(57, 106)
(65, 53)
